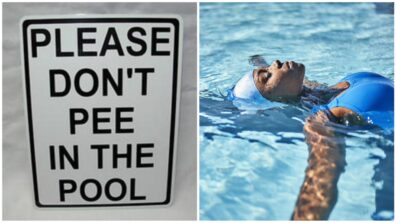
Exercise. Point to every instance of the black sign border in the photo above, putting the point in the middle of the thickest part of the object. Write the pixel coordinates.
(176, 24)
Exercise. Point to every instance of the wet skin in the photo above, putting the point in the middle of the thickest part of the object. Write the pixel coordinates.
(326, 162)
(284, 81)
(280, 80)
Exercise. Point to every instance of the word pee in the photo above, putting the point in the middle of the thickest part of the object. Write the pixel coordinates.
(102, 100)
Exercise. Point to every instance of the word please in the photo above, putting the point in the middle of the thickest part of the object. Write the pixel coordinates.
(87, 36)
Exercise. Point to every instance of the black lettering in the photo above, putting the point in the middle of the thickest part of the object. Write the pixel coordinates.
(74, 121)
(95, 82)
(156, 40)
(35, 43)
(63, 190)
(133, 189)
(58, 47)
(83, 190)
(100, 149)
(133, 39)
(66, 77)
(120, 119)
(140, 155)
(52, 157)
(96, 120)
(63, 153)
(107, 78)
(127, 156)
(144, 72)
(81, 41)
(123, 189)
(111, 33)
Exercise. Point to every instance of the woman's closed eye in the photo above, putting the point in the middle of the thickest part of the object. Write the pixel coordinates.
(267, 75)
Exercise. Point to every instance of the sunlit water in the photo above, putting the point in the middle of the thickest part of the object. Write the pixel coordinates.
(252, 163)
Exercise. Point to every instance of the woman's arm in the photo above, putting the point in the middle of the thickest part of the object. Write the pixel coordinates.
(326, 162)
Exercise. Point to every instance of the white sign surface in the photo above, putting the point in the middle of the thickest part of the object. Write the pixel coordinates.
(102, 97)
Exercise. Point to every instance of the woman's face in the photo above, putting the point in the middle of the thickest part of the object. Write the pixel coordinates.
(280, 81)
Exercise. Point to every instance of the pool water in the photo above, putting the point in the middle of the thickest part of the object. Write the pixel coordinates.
(252, 163)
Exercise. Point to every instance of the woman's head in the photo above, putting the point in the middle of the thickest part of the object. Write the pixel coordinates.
(280, 81)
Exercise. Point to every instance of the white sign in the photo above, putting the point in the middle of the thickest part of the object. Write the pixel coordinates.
(102, 98)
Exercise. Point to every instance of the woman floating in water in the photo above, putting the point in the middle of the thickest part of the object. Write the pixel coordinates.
(359, 99)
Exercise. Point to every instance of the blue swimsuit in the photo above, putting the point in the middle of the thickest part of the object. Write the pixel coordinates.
(370, 95)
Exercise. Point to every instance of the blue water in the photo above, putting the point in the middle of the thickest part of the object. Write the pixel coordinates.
(252, 163)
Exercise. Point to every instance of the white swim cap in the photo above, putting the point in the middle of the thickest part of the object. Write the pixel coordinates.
(245, 95)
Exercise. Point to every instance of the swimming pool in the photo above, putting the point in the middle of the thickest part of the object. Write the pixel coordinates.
(252, 163)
